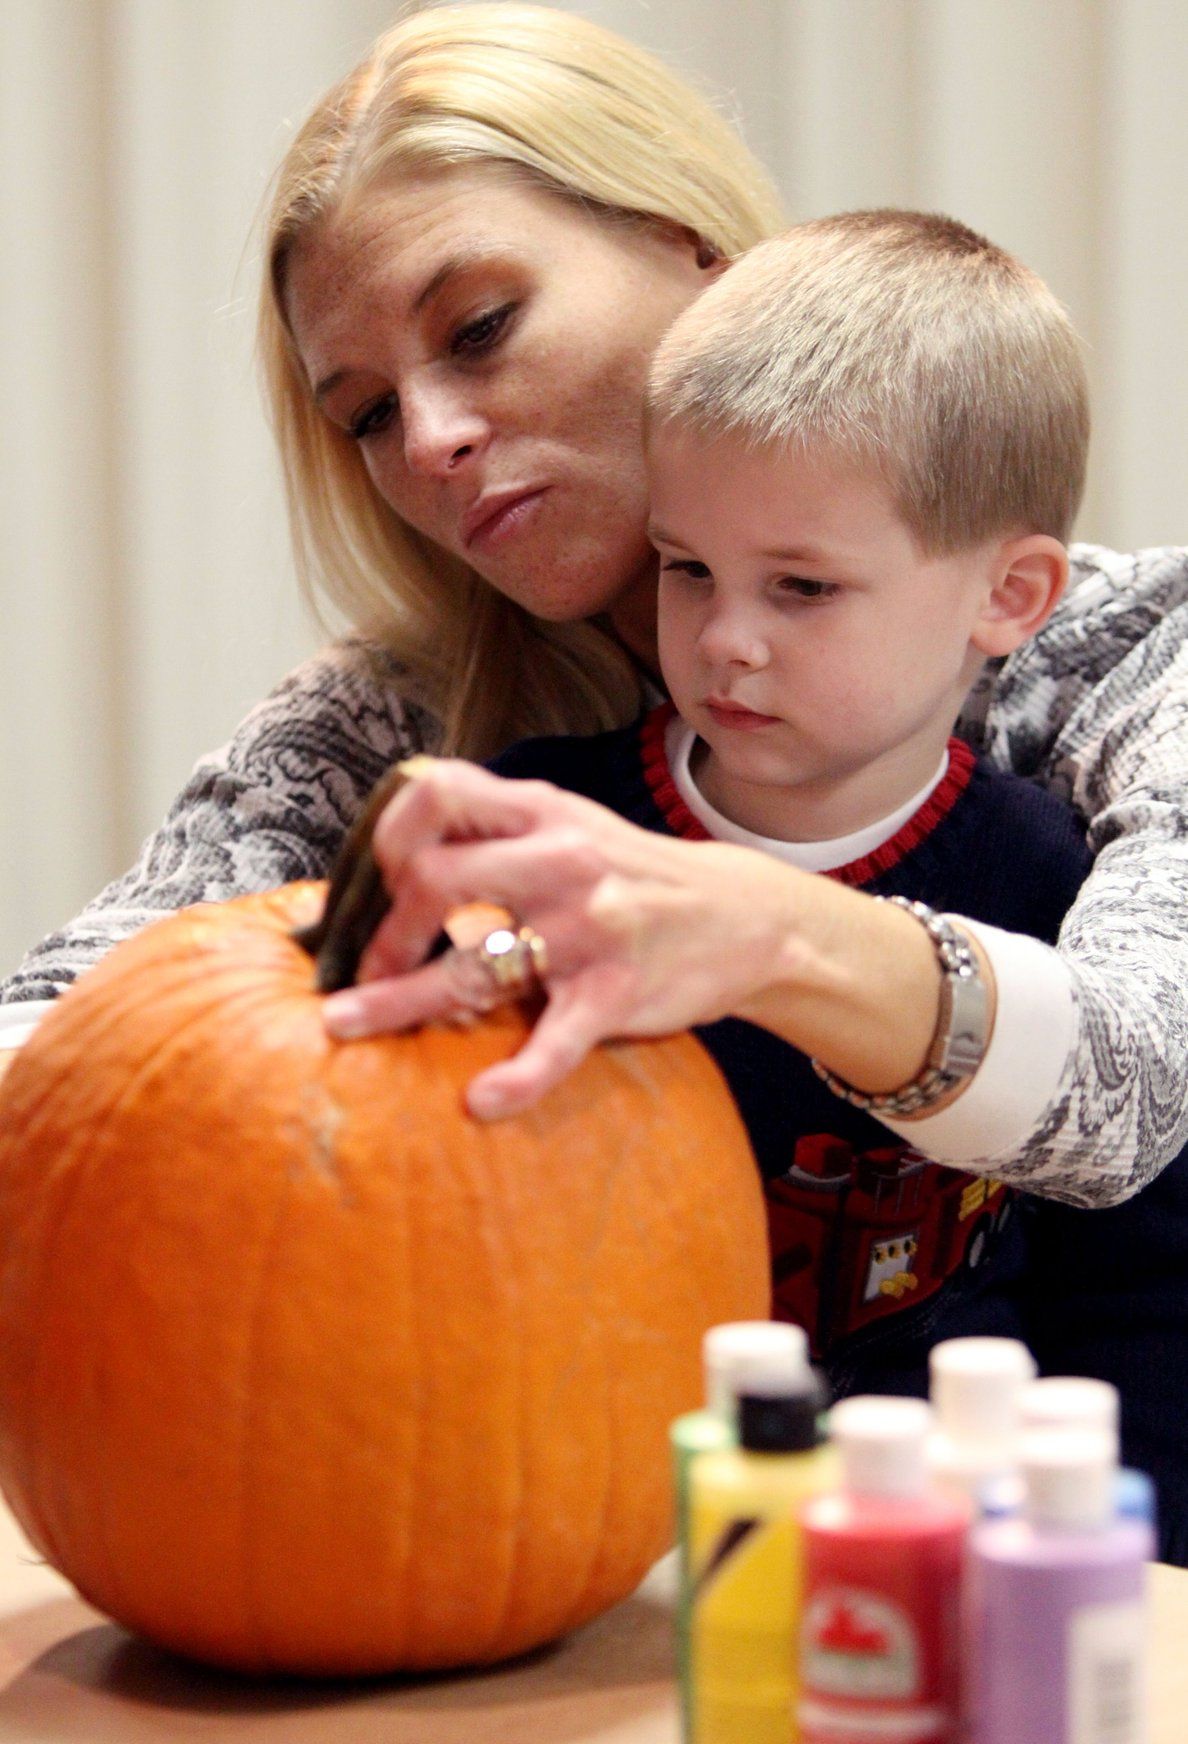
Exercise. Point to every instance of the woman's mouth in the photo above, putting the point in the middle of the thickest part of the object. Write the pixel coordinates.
(733, 714)
(498, 516)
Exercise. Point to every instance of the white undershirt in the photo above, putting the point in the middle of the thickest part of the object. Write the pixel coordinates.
(679, 741)
(1035, 1016)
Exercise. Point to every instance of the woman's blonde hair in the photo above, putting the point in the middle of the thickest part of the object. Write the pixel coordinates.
(588, 115)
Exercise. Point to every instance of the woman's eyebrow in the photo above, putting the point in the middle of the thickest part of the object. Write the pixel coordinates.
(450, 269)
(437, 281)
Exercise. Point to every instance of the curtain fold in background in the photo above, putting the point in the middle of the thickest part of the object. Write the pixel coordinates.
(145, 587)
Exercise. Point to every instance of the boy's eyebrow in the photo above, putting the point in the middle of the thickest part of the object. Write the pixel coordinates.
(796, 554)
(802, 554)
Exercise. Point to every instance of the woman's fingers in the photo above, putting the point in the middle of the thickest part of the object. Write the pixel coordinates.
(571, 1024)
(394, 1003)
(458, 834)
(448, 799)
(520, 874)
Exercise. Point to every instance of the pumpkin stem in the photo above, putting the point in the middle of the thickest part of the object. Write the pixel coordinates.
(356, 900)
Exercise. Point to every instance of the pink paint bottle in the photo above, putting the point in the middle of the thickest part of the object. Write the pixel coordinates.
(880, 1641)
(1056, 1604)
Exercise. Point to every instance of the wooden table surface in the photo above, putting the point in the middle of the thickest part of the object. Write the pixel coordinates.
(67, 1676)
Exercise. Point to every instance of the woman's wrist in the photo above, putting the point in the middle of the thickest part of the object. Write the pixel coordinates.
(856, 984)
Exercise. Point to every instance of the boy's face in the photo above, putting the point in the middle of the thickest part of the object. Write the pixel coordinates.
(820, 657)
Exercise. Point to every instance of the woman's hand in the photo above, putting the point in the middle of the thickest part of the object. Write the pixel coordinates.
(645, 935)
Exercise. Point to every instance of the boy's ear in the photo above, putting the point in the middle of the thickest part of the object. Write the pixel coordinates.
(1030, 576)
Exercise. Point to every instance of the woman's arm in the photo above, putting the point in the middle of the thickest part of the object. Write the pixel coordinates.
(1096, 708)
(273, 805)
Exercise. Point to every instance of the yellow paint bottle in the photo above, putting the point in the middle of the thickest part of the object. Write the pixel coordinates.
(746, 1566)
(729, 1353)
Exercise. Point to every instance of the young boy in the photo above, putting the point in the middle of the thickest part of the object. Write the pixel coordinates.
(866, 445)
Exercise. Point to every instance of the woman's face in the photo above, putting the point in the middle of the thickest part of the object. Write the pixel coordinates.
(486, 344)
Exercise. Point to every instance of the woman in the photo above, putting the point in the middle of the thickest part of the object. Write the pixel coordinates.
(474, 243)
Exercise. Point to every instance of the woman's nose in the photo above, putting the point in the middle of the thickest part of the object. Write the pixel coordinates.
(441, 431)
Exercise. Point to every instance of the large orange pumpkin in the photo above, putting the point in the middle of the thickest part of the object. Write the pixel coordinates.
(301, 1368)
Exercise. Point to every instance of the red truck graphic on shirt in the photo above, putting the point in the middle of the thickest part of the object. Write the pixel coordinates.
(857, 1235)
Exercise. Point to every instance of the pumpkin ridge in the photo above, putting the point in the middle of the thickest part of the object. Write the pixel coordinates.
(222, 1013)
(579, 1609)
(82, 1179)
(502, 1618)
(253, 1368)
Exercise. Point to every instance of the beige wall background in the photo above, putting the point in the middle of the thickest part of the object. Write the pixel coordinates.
(145, 588)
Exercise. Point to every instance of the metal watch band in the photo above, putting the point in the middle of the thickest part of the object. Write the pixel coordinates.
(959, 1043)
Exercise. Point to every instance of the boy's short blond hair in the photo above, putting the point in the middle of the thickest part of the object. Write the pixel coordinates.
(901, 339)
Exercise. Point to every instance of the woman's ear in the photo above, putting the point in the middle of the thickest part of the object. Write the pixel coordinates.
(1030, 576)
(708, 255)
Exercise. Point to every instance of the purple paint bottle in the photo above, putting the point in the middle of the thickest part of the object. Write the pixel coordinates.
(1056, 1604)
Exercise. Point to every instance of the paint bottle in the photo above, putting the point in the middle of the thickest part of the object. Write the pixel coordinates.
(975, 1386)
(1075, 1402)
(729, 1353)
(745, 1563)
(1056, 1609)
(881, 1637)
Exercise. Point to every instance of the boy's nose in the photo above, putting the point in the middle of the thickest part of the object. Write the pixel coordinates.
(730, 639)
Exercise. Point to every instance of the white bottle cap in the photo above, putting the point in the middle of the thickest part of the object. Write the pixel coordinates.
(1068, 1478)
(881, 1444)
(1071, 1402)
(763, 1357)
(975, 1385)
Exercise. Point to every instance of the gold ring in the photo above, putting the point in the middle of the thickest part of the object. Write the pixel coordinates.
(514, 957)
(508, 961)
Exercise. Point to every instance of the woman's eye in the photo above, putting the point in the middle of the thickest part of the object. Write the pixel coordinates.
(374, 417)
(686, 566)
(480, 334)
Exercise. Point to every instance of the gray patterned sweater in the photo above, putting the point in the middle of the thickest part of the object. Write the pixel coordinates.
(1095, 707)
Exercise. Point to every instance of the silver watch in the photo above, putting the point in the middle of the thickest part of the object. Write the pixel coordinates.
(959, 1044)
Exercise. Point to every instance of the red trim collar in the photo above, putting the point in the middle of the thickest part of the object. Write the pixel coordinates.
(905, 841)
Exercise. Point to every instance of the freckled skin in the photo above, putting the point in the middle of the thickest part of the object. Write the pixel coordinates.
(524, 370)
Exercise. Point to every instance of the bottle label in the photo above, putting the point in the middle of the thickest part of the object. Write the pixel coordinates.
(859, 1644)
(1107, 1698)
(863, 1673)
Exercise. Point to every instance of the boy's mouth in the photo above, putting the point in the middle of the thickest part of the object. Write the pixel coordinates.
(724, 713)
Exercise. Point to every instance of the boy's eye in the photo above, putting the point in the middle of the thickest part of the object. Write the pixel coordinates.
(686, 566)
(374, 417)
(804, 587)
(481, 334)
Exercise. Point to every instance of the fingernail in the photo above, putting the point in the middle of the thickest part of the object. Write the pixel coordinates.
(344, 1016)
(486, 1102)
